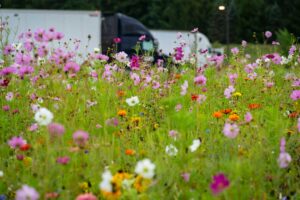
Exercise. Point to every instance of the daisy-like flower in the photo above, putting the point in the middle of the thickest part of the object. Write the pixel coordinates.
(132, 101)
(231, 130)
(106, 184)
(27, 193)
(122, 57)
(196, 144)
(145, 168)
(43, 117)
(171, 150)
(220, 182)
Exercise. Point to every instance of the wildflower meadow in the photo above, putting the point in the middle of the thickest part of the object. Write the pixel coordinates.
(124, 127)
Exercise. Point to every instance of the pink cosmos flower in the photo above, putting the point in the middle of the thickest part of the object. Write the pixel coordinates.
(295, 95)
(7, 71)
(59, 36)
(142, 37)
(87, 196)
(25, 70)
(28, 45)
(178, 54)
(8, 49)
(228, 91)
(72, 67)
(235, 51)
(292, 50)
(155, 85)
(284, 158)
(268, 34)
(23, 59)
(173, 133)
(33, 127)
(178, 107)
(134, 62)
(27, 193)
(220, 182)
(201, 98)
(5, 108)
(186, 176)
(136, 78)
(117, 40)
(232, 78)
(56, 129)
(269, 84)
(248, 117)
(40, 35)
(16, 142)
(296, 83)
(244, 43)
(231, 130)
(80, 138)
(184, 88)
(63, 160)
(200, 80)
(217, 60)
(9, 96)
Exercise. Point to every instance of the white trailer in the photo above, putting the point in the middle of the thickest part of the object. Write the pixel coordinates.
(195, 43)
(75, 25)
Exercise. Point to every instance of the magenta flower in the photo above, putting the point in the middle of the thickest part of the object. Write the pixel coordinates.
(200, 80)
(7, 71)
(80, 138)
(40, 35)
(248, 117)
(5, 108)
(59, 36)
(117, 40)
(87, 196)
(142, 37)
(220, 183)
(16, 142)
(27, 193)
(56, 129)
(178, 54)
(231, 130)
(63, 160)
(268, 34)
(134, 62)
(72, 67)
(295, 95)
(8, 49)
(23, 59)
(186, 176)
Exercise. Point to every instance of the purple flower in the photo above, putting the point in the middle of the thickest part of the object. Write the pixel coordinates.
(228, 91)
(284, 158)
(23, 59)
(27, 193)
(235, 51)
(63, 160)
(42, 50)
(80, 138)
(295, 95)
(231, 130)
(9, 96)
(7, 71)
(8, 49)
(178, 54)
(72, 67)
(268, 34)
(292, 50)
(16, 142)
(200, 80)
(232, 78)
(173, 133)
(25, 70)
(220, 182)
(134, 62)
(248, 117)
(296, 83)
(185, 176)
(40, 35)
(56, 129)
(28, 45)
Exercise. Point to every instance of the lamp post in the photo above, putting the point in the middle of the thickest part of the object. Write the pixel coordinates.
(222, 8)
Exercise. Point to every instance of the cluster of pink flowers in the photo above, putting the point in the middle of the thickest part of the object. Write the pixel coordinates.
(284, 158)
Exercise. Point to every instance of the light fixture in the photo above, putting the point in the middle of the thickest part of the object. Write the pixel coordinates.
(221, 7)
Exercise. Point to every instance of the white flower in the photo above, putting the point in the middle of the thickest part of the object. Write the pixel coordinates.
(196, 144)
(1, 174)
(96, 50)
(171, 150)
(105, 184)
(145, 168)
(43, 116)
(132, 101)
(122, 57)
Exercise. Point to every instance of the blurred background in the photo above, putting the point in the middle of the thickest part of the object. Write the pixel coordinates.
(244, 19)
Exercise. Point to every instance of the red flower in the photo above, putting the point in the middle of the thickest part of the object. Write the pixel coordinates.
(194, 97)
(117, 40)
(25, 147)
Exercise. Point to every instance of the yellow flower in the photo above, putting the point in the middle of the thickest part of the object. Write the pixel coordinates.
(122, 113)
(141, 184)
(237, 94)
(84, 186)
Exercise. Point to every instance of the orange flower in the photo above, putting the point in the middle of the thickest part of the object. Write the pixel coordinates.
(254, 106)
(194, 97)
(25, 147)
(226, 111)
(122, 113)
(293, 114)
(217, 114)
(129, 152)
(177, 76)
(120, 93)
(234, 117)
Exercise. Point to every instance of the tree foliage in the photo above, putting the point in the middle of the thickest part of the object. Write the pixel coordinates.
(245, 17)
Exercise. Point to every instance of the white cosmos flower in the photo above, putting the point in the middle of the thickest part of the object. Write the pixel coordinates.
(43, 116)
(122, 57)
(196, 144)
(171, 150)
(1, 174)
(145, 168)
(133, 101)
(105, 184)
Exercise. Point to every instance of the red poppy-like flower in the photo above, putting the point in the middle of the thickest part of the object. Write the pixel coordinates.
(194, 97)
